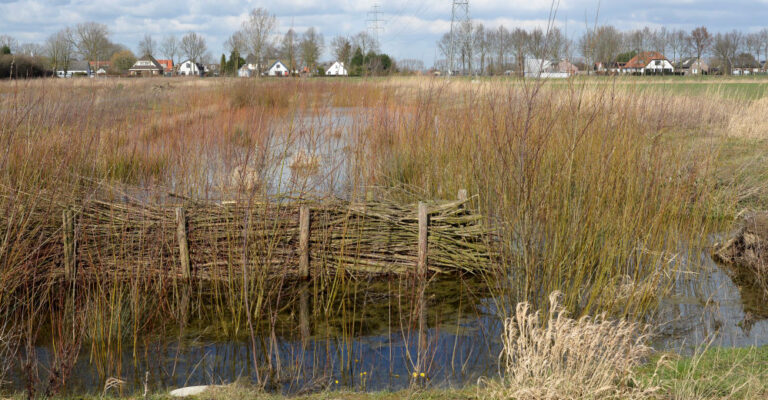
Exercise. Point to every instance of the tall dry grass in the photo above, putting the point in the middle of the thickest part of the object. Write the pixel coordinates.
(588, 188)
(565, 358)
(591, 188)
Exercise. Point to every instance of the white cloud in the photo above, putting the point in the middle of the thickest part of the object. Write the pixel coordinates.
(411, 27)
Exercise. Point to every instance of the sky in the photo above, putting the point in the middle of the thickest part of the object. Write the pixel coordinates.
(410, 28)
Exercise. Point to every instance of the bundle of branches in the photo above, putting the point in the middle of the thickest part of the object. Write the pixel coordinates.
(132, 238)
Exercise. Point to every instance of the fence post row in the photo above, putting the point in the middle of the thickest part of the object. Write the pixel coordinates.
(70, 250)
(304, 241)
(181, 233)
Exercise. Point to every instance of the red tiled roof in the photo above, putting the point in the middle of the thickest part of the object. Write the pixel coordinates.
(167, 64)
(100, 64)
(643, 59)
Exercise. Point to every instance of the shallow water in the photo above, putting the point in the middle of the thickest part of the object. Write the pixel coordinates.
(371, 339)
(707, 307)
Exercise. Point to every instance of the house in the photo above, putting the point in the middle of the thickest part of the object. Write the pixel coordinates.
(278, 69)
(567, 67)
(76, 68)
(191, 68)
(535, 67)
(212, 69)
(648, 62)
(337, 69)
(97, 66)
(250, 68)
(693, 66)
(167, 67)
(538, 68)
(146, 66)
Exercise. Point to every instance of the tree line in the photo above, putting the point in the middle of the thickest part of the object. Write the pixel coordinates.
(90, 41)
(477, 49)
(258, 38)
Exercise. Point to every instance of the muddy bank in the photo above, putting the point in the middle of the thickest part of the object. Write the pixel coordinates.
(745, 253)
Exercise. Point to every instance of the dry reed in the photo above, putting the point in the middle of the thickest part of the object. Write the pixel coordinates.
(565, 358)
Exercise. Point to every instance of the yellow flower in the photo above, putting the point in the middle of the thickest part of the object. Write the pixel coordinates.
(415, 374)
(422, 374)
(337, 381)
(365, 373)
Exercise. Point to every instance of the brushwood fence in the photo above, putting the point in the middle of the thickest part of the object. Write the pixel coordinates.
(215, 241)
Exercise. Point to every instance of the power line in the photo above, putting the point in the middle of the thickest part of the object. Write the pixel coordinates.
(459, 20)
(374, 22)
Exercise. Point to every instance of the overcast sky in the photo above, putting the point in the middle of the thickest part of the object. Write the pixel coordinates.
(411, 28)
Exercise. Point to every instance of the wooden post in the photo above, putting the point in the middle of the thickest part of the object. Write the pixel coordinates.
(423, 232)
(68, 229)
(462, 195)
(304, 242)
(304, 328)
(181, 233)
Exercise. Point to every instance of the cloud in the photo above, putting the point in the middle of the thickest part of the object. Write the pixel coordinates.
(411, 28)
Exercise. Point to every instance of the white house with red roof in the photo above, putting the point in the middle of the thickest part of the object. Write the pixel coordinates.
(648, 62)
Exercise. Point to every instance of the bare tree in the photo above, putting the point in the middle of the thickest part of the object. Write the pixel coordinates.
(659, 40)
(764, 42)
(147, 46)
(519, 40)
(678, 43)
(289, 49)
(170, 47)
(91, 39)
(556, 44)
(257, 33)
(341, 47)
(311, 47)
(481, 44)
(193, 46)
(500, 41)
(365, 42)
(725, 48)
(60, 50)
(699, 41)
(8, 41)
(607, 44)
(410, 65)
(235, 43)
(31, 49)
(754, 45)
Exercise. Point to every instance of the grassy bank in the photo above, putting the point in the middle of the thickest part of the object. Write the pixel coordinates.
(716, 373)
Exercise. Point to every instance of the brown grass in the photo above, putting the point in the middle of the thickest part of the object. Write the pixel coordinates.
(564, 358)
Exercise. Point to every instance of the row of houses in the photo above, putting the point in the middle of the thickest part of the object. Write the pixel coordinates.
(145, 66)
(654, 63)
(278, 69)
(149, 66)
(645, 63)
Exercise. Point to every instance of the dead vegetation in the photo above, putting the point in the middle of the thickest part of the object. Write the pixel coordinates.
(746, 251)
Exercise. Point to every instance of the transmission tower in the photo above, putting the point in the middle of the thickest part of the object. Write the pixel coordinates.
(374, 22)
(459, 21)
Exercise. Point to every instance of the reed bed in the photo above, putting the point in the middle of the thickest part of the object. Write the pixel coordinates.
(585, 187)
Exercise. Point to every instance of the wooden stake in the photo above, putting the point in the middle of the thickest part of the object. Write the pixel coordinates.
(463, 195)
(304, 241)
(181, 233)
(68, 229)
(423, 232)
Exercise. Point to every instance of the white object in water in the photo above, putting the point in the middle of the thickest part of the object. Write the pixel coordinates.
(189, 391)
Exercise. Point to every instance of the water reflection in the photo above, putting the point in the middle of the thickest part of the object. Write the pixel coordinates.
(375, 336)
(706, 306)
